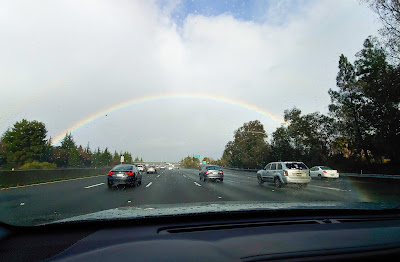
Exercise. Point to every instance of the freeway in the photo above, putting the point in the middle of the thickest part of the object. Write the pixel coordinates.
(55, 201)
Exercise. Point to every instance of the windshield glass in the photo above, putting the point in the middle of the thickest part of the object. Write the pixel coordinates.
(234, 84)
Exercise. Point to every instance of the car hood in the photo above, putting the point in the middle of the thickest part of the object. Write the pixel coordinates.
(147, 211)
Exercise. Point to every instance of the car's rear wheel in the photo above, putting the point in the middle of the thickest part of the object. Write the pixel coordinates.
(277, 182)
(259, 180)
(110, 185)
(319, 176)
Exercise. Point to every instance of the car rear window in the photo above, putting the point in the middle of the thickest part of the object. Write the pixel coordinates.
(122, 168)
(326, 168)
(299, 166)
(213, 168)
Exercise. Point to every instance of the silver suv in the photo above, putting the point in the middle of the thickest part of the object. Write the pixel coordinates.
(284, 173)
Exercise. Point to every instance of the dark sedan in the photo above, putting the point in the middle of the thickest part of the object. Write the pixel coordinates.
(124, 174)
(214, 173)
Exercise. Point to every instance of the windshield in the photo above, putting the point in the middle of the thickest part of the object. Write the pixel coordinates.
(259, 89)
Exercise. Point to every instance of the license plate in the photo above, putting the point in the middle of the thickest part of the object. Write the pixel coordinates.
(120, 175)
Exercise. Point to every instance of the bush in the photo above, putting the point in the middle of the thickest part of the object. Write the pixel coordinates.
(38, 165)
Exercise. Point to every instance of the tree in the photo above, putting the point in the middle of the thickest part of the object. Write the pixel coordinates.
(190, 162)
(59, 156)
(249, 148)
(106, 158)
(389, 13)
(306, 138)
(116, 158)
(349, 107)
(85, 156)
(3, 156)
(97, 158)
(128, 157)
(68, 142)
(25, 142)
(380, 83)
(281, 145)
(74, 159)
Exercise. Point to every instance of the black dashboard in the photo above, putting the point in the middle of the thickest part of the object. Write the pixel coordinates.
(291, 235)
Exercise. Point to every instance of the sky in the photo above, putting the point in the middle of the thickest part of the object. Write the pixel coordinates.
(167, 79)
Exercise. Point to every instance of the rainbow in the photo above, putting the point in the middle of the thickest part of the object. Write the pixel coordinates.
(145, 99)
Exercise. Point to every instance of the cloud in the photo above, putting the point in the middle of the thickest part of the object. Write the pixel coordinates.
(63, 61)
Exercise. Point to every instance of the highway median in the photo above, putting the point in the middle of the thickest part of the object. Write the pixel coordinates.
(29, 177)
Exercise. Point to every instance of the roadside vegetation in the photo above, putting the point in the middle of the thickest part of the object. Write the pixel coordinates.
(25, 146)
(360, 132)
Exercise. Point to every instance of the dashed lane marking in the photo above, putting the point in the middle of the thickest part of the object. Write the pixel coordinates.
(149, 184)
(197, 184)
(94, 185)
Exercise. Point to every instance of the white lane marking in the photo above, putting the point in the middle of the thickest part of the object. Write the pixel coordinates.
(94, 185)
(158, 176)
(197, 184)
(149, 184)
(219, 197)
(331, 188)
(184, 176)
(22, 204)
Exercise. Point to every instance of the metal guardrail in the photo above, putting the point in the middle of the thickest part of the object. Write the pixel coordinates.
(384, 176)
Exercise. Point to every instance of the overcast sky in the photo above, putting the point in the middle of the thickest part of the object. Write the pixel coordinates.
(62, 61)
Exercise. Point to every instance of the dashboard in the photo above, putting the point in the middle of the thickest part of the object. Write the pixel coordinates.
(289, 235)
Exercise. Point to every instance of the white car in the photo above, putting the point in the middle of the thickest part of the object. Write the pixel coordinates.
(151, 169)
(323, 171)
(140, 168)
(284, 173)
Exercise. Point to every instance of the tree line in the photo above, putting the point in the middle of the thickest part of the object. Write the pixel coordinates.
(26, 146)
(361, 130)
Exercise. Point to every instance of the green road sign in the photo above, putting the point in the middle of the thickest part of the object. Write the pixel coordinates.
(204, 162)
(197, 156)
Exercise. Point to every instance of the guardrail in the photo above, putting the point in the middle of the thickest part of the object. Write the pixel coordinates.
(383, 176)
(27, 177)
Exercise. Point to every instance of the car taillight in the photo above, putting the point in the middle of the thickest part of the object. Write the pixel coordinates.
(111, 173)
(206, 172)
(285, 172)
(324, 171)
(130, 173)
(221, 172)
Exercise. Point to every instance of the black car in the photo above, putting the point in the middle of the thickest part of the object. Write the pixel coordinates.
(211, 173)
(124, 174)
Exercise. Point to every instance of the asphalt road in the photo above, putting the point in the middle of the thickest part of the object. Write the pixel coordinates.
(54, 201)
